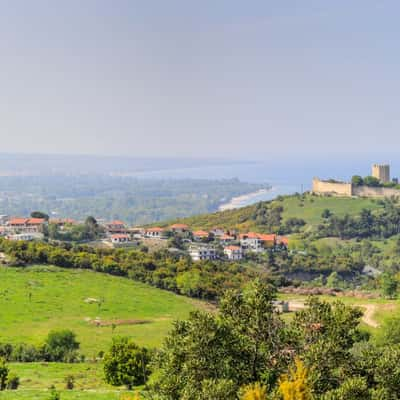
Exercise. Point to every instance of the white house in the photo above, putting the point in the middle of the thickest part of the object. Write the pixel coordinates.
(120, 238)
(233, 252)
(154, 233)
(26, 236)
(199, 253)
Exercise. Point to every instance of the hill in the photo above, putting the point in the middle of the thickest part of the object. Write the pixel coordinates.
(258, 217)
(37, 299)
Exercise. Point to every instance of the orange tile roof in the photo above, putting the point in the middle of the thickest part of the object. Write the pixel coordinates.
(267, 238)
(200, 233)
(120, 236)
(18, 221)
(116, 223)
(233, 248)
(36, 221)
(155, 229)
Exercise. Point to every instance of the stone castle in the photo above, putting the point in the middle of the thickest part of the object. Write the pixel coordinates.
(347, 189)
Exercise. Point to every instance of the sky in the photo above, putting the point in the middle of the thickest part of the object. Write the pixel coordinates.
(232, 79)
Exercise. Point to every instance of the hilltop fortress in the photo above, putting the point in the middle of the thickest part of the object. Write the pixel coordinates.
(375, 186)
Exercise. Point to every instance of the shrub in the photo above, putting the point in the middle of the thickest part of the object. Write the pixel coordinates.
(12, 382)
(126, 363)
(61, 346)
(69, 382)
(3, 374)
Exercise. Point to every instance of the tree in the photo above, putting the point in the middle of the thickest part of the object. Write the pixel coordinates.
(390, 332)
(3, 373)
(326, 213)
(61, 346)
(326, 333)
(126, 363)
(294, 385)
(388, 285)
(371, 181)
(244, 343)
(39, 214)
(333, 280)
(357, 180)
(351, 389)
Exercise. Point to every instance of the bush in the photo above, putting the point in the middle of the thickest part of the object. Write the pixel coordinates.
(69, 382)
(12, 382)
(61, 346)
(126, 363)
(54, 395)
(3, 374)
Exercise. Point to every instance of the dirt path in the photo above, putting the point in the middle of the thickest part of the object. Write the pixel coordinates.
(367, 318)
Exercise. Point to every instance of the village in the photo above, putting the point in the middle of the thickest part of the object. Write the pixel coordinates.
(200, 245)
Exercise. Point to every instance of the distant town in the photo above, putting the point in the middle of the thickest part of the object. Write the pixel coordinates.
(216, 243)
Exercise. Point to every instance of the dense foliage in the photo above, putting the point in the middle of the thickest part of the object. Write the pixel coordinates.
(162, 269)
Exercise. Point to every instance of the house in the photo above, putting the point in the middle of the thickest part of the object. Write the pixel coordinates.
(233, 252)
(26, 236)
(115, 227)
(200, 253)
(217, 232)
(155, 233)
(257, 242)
(26, 225)
(119, 238)
(200, 235)
(226, 239)
(179, 228)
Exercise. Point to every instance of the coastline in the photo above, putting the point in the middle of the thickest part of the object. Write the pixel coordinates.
(244, 200)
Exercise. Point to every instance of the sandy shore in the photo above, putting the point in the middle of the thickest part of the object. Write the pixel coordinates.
(244, 200)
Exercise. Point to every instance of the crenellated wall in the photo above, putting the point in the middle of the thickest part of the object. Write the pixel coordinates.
(366, 191)
(332, 188)
(345, 189)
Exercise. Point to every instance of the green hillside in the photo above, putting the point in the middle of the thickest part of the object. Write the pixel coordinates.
(307, 207)
(38, 299)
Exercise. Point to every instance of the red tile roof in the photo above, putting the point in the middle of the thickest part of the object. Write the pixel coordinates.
(117, 223)
(155, 229)
(120, 236)
(233, 248)
(18, 221)
(36, 221)
(200, 233)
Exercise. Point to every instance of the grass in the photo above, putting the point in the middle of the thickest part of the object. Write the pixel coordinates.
(37, 299)
(310, 209)
(384, 308)
(65, 395)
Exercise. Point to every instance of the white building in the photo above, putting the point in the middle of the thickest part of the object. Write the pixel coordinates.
(26, 236)
(120, 238)
(199, 253)
(233, 252)
(154, 233)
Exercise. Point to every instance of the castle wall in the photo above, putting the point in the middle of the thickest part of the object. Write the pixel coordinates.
(334, 189)
(365, 191)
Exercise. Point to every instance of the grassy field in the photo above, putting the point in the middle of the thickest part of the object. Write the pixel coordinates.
(310, 209)
(376, 310)
(38, 299)
(65, 395)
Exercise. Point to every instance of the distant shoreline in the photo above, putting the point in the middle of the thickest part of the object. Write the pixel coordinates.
(243, 200)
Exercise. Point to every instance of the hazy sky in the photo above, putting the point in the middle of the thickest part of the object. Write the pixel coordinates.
(229, 78)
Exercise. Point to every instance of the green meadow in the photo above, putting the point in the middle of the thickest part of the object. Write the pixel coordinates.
(38, 299)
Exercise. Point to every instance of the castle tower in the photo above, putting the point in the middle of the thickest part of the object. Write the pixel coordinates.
(381, 172)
